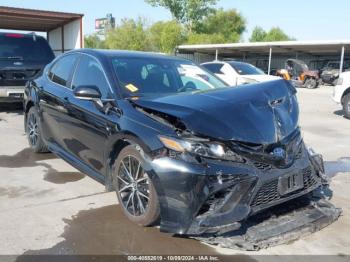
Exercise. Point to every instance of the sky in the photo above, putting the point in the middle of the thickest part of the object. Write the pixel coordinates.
(301, 19)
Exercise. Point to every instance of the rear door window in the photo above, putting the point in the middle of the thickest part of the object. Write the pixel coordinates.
(246, 69)
(61, 71)
(214, 68)
(27, 48)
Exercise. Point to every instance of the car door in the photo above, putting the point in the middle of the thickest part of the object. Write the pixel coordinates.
(52, 101)
(87, 124)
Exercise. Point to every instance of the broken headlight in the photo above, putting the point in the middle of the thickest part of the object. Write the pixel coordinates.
(201, 148)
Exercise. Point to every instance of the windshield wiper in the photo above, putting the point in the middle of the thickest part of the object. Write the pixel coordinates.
(133, 97)
(11, 58)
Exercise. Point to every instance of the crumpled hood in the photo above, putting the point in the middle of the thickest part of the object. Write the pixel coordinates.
(261, 113)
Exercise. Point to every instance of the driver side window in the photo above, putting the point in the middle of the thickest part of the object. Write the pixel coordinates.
(90, 73)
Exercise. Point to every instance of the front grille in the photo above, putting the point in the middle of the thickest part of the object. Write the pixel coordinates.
(268, 192)
(328, 77)
(262, 166)
(298, 154)
(309, 179)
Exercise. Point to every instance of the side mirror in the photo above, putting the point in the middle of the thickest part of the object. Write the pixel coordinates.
(87, 93)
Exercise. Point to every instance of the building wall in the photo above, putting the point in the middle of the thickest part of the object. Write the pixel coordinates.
(55, 40)
(72, 35)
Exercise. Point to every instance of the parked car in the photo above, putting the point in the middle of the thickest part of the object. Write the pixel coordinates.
(330, 73)
(171, 139)
(22, 57)
(236, 73)
(341, 94)
(318, 65)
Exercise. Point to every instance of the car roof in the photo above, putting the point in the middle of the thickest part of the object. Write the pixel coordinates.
(125, 53)
(226, 62)
(214, 62)
(30, 35)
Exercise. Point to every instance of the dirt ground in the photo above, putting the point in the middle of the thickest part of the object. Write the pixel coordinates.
(48, 207)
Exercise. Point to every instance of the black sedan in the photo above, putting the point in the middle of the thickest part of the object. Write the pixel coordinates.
(177, 145)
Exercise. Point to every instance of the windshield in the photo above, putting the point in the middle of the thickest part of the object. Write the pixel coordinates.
(152, 76)
(21, 47)
(246, 69)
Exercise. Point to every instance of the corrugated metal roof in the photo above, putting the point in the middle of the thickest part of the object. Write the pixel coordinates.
(34, 20)
(311, 47)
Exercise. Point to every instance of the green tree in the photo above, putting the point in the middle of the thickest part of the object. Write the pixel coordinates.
(258, 35)
(165, 36)
(275, 34)
(187, 12)
(230, 24)
(93, 41)
(198, 38)
(129, 35)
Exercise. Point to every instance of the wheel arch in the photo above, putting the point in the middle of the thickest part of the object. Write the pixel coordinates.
(346, 92)
(112, 153)
(28, 106)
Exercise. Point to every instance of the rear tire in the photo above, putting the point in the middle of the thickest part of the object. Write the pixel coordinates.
(33, 131)
(135, 190)
(346, 106)
(310, 83)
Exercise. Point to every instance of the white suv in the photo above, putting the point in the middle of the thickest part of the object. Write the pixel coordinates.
(341, 94)
(237, 73)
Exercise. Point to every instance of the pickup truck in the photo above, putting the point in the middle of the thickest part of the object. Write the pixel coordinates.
(22, 58)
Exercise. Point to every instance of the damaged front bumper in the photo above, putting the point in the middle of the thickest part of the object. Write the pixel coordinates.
(216, 196)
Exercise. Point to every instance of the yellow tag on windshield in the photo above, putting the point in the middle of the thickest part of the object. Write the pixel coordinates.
(132, 88)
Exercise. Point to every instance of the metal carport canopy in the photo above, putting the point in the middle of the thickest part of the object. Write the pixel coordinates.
(310, 47)
(42, 21)
(283, 47)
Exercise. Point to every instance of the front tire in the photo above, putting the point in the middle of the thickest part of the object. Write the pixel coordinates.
(346, 106)
(310, 83)
(135, 190)
(33, 131)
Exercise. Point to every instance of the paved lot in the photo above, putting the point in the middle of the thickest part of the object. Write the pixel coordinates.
(48, 207)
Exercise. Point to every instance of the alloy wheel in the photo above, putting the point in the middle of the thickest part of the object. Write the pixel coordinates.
(133, 186)
(33, 129)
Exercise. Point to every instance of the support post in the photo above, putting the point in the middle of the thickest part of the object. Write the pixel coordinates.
(216, 55)
(342, 59)
(81, 33)
(270, 57)
(62, 38)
